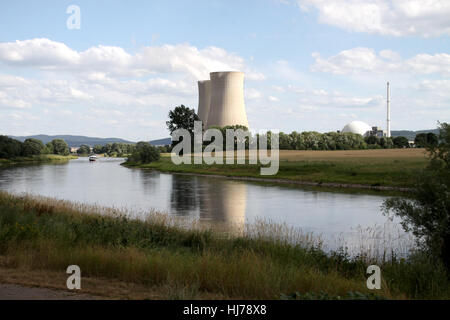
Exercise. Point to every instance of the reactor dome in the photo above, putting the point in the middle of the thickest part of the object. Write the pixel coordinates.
(358, 127)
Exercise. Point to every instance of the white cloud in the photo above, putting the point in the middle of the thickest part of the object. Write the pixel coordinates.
(182, 59)
(251, 93)
(388, 17)
(366, 60)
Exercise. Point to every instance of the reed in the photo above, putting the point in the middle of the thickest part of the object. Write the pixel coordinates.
(183, 258)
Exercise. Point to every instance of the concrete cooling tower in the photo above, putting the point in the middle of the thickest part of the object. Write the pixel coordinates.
(227, 106)
(204, 100)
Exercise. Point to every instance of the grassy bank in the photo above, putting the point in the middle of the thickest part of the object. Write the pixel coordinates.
(175, 259)
(388, 167)
(36, 159)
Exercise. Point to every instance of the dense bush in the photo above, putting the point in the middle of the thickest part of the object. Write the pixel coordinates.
(10, 148)
(32, 147)
(424, 140)
(116, 149)
(400, 142)
(59, 146)
(427, 212)
(144, 152)
(84, 149)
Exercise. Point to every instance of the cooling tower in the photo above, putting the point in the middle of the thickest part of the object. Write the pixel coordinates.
(204, 100)
(227, 99)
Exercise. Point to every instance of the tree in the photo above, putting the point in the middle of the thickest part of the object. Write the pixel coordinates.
(427, 212)
(182, 118)
(50, 147)
(32, 147)
(84, 149)
(98, 149)
(372, 140)
(60, 147)
(10, 148)
(423, 140)
(144, 152)
(432, 139)
(400, 142)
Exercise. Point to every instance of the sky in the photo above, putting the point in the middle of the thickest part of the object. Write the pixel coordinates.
(310, 65)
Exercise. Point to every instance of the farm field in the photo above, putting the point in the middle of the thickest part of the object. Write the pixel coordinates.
(393, 168)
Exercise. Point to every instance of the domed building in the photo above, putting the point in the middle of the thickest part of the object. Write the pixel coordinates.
(358, 127)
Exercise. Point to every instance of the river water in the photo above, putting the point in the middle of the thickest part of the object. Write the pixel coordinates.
(350, 220)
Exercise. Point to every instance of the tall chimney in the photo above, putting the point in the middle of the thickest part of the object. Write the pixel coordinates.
(388, 125)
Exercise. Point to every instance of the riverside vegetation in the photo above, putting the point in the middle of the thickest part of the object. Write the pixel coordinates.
(32, 150)
(181, 259)
(393, 167)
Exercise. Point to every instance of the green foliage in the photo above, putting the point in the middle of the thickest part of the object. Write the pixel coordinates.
(60, 147)
(84, 149)
(424, 140)
(50, 148)
(115, 149)
(98, 149)
(182, 118)
(313, 140)
(144, 152)
(427, 213)
(400, 142)
(32, 147)
(10, 148)
(158, 251)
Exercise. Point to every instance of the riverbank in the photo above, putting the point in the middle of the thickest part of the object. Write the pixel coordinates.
(386, 169)
(175, 258)
(36, 159)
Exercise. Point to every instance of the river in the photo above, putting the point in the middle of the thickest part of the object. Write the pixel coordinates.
(352, 220)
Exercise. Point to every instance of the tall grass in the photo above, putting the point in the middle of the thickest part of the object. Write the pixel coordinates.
(184, 258)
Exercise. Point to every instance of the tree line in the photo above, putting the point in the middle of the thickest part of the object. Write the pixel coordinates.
(182, 117)
(119, 149)
(12, 148)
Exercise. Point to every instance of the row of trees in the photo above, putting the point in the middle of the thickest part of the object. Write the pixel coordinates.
(12, 148)
(123, 149)
(183, 117)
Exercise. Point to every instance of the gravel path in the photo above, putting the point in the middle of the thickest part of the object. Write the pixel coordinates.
(16, 292)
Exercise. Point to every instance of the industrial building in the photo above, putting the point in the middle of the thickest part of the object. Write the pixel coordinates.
(204, 100)
(365, 130)
(221, 100)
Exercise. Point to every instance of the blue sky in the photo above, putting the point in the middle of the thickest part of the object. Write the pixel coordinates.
(309, 64)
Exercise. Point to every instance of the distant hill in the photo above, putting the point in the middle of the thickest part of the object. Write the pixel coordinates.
(411, 135)
(76, 141)
(161, 142)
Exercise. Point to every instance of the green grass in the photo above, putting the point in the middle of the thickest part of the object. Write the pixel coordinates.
(186, 259)
(364, 171)
(36, 159)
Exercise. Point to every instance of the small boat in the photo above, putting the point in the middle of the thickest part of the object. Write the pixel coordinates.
(92, 158)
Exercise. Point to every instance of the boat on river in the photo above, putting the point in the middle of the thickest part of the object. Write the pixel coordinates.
(93, 158)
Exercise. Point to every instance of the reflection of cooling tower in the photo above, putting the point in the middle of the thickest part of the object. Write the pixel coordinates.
(204, 99)
(224, 201)
(227, 99)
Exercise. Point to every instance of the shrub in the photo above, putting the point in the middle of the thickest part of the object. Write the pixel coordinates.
(145, 153)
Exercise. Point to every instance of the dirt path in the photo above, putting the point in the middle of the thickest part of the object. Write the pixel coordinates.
(17, 292)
